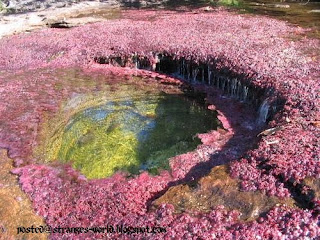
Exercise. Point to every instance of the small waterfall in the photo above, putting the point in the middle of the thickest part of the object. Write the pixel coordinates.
(239, 90)
(218, 82)
(263, 112)
(135, 60)
(245, 90)
(202, 80)
(228, 88)
(209, 76)
(182, 67)
(158, 61)
(195, 72)
(223, 83)
(233, 87)
(215, 79)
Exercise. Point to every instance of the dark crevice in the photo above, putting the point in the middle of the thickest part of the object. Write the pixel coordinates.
(265, 167)
(61, 24)
(300, 193)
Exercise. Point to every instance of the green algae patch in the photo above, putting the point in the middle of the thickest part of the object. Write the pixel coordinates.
(133, 126)
(131, 134)
(100, 140)
(125, 128)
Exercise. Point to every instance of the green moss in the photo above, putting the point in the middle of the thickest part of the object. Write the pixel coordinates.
(2, 8)
(232, 3)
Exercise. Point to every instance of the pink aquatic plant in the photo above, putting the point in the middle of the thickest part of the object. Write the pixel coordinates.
(255, 48)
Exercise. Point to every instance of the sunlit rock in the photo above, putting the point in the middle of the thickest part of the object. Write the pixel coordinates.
(219, 189)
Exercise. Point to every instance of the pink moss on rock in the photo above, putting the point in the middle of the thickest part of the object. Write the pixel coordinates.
(254, 47)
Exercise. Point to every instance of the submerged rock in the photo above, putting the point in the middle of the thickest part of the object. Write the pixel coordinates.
(15, 206)
(314, 184)
(219, 189)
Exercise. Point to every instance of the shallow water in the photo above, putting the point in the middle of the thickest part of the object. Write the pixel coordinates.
(132, 126)
(133, 134)
(304, 14)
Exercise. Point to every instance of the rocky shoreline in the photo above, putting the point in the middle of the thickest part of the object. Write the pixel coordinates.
(23, 6)
(71, 16)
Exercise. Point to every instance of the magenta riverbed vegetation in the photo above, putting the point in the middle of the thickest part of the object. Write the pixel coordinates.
(259, 52)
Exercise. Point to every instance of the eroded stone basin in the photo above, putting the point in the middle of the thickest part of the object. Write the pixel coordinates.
(128, 129)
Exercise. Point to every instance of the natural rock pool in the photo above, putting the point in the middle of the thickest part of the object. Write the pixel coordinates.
(130, 129)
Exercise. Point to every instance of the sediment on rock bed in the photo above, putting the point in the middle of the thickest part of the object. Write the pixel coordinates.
(15, 206)
(219, 189)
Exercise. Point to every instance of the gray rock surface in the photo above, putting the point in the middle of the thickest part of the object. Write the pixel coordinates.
(68, 16)
(21, 6)
(17, 6)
